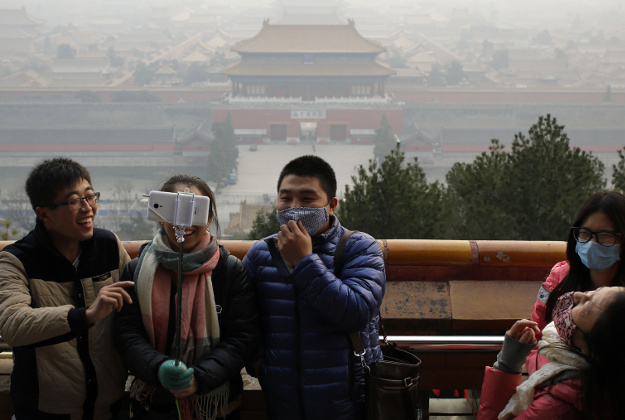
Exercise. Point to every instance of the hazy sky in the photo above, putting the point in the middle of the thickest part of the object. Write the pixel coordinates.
(602, 14)
(558, 16)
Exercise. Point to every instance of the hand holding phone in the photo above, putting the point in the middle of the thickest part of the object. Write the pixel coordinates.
(192, 209)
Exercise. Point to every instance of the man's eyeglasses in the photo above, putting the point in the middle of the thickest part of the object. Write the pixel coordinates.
(604, 237)
(77, 203)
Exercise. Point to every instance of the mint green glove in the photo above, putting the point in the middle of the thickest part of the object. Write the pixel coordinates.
(174, 377)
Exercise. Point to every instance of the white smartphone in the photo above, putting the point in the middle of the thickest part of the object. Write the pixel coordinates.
(162, 208)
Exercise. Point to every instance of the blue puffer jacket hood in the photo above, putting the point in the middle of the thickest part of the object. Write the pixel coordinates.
(308, 368)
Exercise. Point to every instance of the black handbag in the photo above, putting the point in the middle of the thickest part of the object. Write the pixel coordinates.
(392, 384)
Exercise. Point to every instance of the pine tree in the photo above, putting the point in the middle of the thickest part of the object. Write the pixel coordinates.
(265, 224)
(223, 156)
(531, 193)
(384, 139)
(618, 172)
(392, 200)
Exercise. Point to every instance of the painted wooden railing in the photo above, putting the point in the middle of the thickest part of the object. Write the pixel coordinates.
(450, 301)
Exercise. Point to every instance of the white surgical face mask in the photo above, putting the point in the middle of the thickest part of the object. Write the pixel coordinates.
(312, 218)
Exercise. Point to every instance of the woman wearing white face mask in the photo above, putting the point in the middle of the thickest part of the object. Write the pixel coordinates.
(594, 250)
(578, 370)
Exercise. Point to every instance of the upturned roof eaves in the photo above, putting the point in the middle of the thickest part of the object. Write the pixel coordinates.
(308, 39)
(325, 68)
(18, 17)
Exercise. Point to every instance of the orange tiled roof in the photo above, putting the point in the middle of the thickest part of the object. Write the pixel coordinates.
(308, 39)
(322, 68)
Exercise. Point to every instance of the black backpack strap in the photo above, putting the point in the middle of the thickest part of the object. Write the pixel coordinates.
(338, 253)
(354, 337)
(277, 257)
(226, 270)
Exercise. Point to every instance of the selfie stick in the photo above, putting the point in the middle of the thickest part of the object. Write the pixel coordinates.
(179, 227)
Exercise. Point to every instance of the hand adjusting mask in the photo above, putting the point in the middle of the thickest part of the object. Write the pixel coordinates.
(312, 218)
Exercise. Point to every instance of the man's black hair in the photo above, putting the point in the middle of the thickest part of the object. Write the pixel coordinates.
(51, 175)
(314, 166)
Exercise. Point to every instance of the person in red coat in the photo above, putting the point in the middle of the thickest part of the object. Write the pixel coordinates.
(578, 370)
(593, 254)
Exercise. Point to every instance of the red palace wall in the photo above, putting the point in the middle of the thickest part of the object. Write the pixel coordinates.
(353, 119)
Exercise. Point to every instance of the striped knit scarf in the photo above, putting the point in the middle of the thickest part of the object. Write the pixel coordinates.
(562, 359)
(199, 327)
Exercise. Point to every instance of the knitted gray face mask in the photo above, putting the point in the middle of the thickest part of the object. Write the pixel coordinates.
(312, 218)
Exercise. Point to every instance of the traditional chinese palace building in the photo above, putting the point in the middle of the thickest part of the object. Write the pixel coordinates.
(309, 83)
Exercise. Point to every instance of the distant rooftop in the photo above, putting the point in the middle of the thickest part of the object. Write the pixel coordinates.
(17, 17)
(308, 39)
(311, 19)
(321, 68)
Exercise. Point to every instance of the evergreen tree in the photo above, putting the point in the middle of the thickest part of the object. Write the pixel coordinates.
(218, 59)
(487, 48)
(143, 74)
(147, 96)
(397, 61)
(543, 38)
(9, 233)
(607, 96)
(87, 96)
(500, 59)
(531, 193)
(17, 209)
(455, 73)
(618, 172)
(195, 74)
(265, 224)
(548, 181)
(384, 139)
(65, 51)
(474, 206)
(137, 228)
(114, 59)
(436, 76)
(392, 200)
(224, 153)
(130, 96)
(217, 167)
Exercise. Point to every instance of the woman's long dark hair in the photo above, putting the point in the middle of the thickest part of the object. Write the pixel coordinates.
(188, 181)
(612, 203)
(603, 381)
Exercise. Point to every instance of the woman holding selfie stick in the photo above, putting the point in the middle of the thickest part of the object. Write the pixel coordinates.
(219, 327)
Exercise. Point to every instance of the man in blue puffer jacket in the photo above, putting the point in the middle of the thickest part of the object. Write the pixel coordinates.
(307, 366)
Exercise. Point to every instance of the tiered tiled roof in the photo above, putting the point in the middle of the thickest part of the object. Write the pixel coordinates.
(321, 68)
(308, 39)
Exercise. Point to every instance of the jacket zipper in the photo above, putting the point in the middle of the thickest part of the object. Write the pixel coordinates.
(298, 363)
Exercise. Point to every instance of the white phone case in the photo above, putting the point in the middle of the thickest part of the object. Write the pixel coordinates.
(162, 207)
